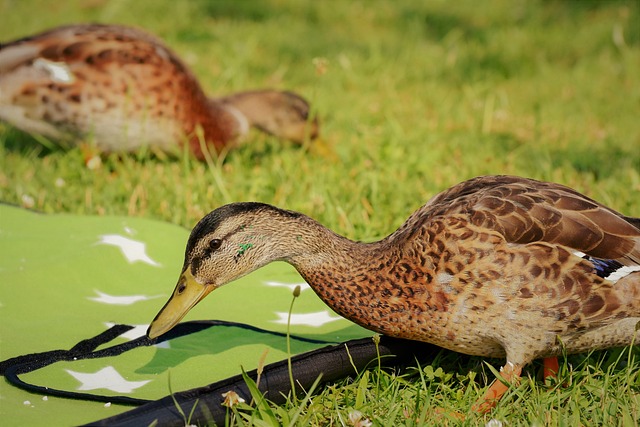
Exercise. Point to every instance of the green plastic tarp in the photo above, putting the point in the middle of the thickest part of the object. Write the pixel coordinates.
(65, 278)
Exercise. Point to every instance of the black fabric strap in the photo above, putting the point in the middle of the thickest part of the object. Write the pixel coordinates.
(85, 349)
(331, 363)
(34, 361)
(13, 367)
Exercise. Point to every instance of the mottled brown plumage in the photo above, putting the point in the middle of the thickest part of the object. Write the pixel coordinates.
(496, 266)
(123, 88)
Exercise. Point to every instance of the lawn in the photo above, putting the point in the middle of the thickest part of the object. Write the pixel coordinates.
(413, 97)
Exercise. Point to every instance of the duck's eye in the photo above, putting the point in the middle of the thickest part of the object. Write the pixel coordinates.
(181, 288)
(215, 244)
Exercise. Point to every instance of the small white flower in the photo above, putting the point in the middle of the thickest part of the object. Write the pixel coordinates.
(108, 404)
(28, 201)
(94, 162)
(231, 399)
(45, 398)
(60, 182)
(26, 403)
(356, 419)
(493, 423)
(321, 65)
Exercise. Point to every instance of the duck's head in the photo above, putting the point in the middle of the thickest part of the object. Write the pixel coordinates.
(283, 114)
(291, 117)
(228, 243)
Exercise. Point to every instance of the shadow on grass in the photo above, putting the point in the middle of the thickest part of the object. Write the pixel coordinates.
(22, 143)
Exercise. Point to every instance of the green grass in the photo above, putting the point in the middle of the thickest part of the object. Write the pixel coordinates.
(416, 97)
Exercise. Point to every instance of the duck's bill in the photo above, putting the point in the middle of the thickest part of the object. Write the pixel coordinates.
(187, 294)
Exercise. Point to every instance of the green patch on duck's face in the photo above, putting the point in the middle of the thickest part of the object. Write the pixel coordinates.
(242, 249)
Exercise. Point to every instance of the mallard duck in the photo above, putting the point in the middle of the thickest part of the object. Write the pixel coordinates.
(123, 89)
(497, 266)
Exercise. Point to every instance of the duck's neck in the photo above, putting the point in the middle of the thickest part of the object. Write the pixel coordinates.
(351, 277)
(213, 123)
(332, 258)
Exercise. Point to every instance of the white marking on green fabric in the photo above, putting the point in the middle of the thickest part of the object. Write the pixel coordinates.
(137, 331)
(291, 286)
(107, 378)
(133, 250)
(163, 344)
(120, 300)
(317, 319)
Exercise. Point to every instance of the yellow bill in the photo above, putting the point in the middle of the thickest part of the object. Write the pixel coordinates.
(187, 294)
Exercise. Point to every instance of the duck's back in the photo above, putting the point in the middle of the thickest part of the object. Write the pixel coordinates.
(524, 210)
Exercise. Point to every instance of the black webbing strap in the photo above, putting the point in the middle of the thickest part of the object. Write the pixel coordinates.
(12, 368)
(331, 363)
(85, 349)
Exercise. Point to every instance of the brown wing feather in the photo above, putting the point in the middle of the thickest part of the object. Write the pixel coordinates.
(525, 210)
(76, 43)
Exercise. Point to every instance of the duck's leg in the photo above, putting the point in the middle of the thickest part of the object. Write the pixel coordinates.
(550, 367)
(509, 373)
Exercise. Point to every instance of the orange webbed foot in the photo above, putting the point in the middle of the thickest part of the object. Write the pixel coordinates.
(509, 374)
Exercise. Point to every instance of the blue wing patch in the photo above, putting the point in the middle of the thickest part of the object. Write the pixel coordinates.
(610, 269)
(605, 267)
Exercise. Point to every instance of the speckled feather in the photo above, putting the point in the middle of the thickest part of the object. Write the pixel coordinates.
(124, 88)
(493, 266)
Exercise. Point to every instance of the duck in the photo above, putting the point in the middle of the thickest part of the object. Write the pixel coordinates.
(496, 266)
(121, 89)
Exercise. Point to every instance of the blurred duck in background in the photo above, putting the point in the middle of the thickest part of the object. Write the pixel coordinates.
(121, 89)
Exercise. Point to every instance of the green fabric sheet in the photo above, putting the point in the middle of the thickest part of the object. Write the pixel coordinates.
(65, 278)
